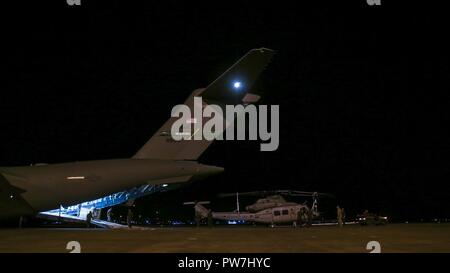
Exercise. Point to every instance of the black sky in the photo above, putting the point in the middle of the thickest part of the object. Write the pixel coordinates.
(363, 93)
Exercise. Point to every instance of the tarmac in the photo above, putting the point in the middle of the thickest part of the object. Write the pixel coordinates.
(398, 238)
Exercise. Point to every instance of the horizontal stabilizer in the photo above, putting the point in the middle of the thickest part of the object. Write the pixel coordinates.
(11, 201)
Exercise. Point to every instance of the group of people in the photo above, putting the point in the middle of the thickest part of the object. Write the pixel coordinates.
(109, 215)
(304, 217)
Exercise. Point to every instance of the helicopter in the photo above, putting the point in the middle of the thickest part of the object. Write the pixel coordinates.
(271, 209)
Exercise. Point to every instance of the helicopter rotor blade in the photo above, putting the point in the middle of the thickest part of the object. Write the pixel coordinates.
(274, 192)
(307, 194)
(195, 202)
(249, 193)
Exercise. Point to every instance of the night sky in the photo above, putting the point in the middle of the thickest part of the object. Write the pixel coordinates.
(363, 94)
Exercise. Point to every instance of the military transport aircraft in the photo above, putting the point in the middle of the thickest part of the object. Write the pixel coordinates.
(161, 162)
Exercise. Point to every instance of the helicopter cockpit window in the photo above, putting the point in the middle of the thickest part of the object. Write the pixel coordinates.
(276, 212)
(285, 212)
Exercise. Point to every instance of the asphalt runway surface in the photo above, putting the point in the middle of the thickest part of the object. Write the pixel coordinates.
(318, 239)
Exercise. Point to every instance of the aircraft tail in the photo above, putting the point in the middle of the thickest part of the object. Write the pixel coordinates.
(232, 87)
(200, 210)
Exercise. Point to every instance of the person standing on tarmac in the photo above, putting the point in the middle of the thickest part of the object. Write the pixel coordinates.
(210, 219)
(197, 219)
(339, 216)
(299, 217)
(343, 216)
(310, 216)
(109, 214)
(88, 219)
(130, 218)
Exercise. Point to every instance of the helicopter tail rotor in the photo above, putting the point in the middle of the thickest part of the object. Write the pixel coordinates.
(200, 210)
